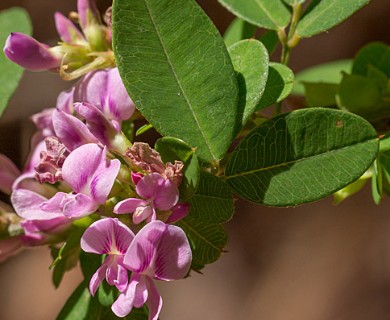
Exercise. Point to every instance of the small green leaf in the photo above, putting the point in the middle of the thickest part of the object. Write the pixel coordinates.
(376, 182)
(320, 94)
(279, 85)
(11, 20)
(379, 78)
(238, 30)
(301, 157)
(65, 258)
(175, 66)
(262, 13)
(213, 201)
(172, 149)
(326, 14)
(352, 188)
(375, 54)
(362, 96)
(331, 72)
(207, 240)
(250, 61)
(107, 294)
(143, 129)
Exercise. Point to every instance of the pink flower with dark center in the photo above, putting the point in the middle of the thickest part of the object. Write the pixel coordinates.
(157, 192)
(111, 237)
(159, 251)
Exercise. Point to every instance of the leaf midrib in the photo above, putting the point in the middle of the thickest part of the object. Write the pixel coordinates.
(296, 161)
(200, 236)
(178, 82)
(267, 13)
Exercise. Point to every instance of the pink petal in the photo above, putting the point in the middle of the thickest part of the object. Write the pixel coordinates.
(65, 101)
(149, 186)
(8, 174)
(97, 123)
(79, 205)
(67, 30)
(179, 212)
(27, 205)
(143, 213)
(97, 278)
(167, 196)
(129, 205)
(105, 90)
(125, 302)
(141, 291)
(107, 236)
(140, 255)
(173, 255)
(154, 301)
(87, 11)
(121, 280)
(71, 131)
(104, 177)
(29, 53)
(81, 164)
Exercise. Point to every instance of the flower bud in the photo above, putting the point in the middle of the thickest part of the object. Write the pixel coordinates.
(31, 54)
(67, 30)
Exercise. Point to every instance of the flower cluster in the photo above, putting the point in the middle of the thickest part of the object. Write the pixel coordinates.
(82, 164)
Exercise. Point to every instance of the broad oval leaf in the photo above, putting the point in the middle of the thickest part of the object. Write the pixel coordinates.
(374, 54)
(213, 201)
(207, 240)
(331, 72)
(11, 20)
(279, 85)
(250, 60)
(301, 157)
(178, 72)
(172, 149)
(327, 14)
(262, 13)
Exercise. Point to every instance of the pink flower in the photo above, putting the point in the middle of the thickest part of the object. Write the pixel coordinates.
(158, 251)
(91, 176)
(157, 193)
(105, 90)
(111, 237)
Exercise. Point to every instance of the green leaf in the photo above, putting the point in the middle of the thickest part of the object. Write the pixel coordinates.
(376, 182)
(82, 306)
(213, 201)
(362, 96)
(352, 188)
(66, 258)
(331, 72)
(262, 13)
(374, 54)
(207, 240)
(279, 85)
(326, 14)
(11, 20)
(250, 61)
(172, 149)
(379, 78)
(321, 94)
(238, 29)
(301, 157)
(175, 66)
(270, 40)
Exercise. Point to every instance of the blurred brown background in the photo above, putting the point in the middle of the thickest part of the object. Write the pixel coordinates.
(314, 262)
